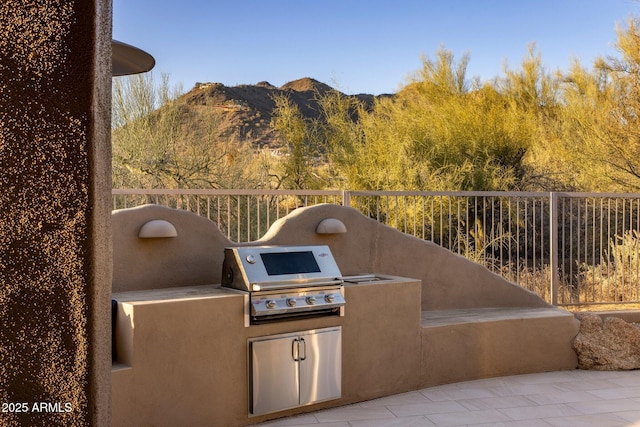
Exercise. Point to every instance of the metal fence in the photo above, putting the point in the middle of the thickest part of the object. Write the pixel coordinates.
(570, 248)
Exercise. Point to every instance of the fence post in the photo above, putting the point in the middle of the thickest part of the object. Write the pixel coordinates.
(553, 247)
(346, 198)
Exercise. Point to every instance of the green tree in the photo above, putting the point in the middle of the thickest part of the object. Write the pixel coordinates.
(534, 97)
(299, 168)
(602, 116)
(440, 132)
(358, 158)
(158, 143)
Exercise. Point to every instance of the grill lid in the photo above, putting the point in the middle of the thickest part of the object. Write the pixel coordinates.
(256, 268)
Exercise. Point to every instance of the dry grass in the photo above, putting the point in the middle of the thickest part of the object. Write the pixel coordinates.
(601, 307)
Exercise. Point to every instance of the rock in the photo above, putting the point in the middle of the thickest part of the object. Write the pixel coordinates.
(608, 345)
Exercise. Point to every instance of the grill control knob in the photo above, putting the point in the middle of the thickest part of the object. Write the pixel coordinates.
(329, 298)
(251, 259)
(270, 304)
(291, 302)
(311, 300)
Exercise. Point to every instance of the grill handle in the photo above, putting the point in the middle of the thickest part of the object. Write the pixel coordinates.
(295, 350)
(288, 284)
(304, 349)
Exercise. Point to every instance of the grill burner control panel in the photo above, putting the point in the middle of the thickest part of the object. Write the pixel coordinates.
(302, 300)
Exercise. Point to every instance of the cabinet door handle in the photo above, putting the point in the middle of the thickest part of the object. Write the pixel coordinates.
(295, 350)
(304, 349)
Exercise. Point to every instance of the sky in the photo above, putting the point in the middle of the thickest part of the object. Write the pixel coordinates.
(360, 46)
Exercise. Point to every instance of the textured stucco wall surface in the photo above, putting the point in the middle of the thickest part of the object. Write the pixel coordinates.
(48, 69)
(449, 281)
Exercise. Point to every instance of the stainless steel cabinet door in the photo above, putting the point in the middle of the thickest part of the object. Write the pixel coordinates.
(274, 375)
(291, 370)
(320, 365)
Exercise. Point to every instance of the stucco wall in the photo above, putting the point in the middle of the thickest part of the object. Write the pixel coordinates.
(183, 352)
(195, 257)
(54, 222)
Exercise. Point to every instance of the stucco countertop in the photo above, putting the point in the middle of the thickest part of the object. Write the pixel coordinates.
(175, 294)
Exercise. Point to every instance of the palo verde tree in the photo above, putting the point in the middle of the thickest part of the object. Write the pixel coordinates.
(441, 131)
(602, 116)
(299, 169)
(159, 143)
(533, 96)
(359, 157)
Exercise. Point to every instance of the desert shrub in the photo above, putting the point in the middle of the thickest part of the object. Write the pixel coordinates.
(617, 277)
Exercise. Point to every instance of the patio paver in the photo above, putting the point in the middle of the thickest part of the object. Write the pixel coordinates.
(566, 398)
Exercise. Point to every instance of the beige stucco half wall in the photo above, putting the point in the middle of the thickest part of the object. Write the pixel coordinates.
(195, 256)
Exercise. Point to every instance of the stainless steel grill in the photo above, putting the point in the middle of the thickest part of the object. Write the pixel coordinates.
(285, 282)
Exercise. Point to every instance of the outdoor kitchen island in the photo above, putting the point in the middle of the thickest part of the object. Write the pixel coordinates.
(183, 344)
(182, 352)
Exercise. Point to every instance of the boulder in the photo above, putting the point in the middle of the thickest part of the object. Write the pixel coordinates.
(607, 345)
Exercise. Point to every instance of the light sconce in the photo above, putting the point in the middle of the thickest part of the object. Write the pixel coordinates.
(157, 228)
(331, 226)
(127, 59)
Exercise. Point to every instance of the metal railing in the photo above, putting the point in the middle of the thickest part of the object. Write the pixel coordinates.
(595, 248)
(570, 248)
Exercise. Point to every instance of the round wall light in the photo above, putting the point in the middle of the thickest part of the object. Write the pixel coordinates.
(331, 226)
(157, 228)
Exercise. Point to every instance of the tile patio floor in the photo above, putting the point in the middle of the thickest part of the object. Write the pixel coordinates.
(565, 398)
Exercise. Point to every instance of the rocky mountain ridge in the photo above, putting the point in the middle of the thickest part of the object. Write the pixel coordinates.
(246, 110)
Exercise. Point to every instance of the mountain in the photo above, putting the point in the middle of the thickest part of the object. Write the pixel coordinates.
(246, 110)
